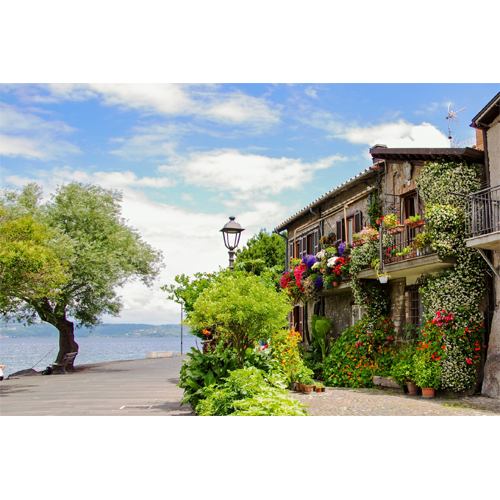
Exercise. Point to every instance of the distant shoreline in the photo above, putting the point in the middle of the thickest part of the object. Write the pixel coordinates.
(111, 330)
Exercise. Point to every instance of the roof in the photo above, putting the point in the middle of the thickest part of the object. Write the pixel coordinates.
(427, 154)
(321, 199)
(486, 116)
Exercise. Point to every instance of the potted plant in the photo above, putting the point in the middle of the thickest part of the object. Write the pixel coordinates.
(427, 375)
(383, 278)
(319, 387)
(414, 221)
(357, 240)
(307, 384)
(328, 282)
(392, 224)
(422, 241)
(403, 371)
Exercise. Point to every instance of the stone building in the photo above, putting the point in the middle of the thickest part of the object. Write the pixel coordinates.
(344, 210)
(484, 230)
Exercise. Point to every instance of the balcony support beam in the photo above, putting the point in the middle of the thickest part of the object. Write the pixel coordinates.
(483, 253)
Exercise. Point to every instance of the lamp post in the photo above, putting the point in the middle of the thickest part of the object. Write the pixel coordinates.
(231, 233)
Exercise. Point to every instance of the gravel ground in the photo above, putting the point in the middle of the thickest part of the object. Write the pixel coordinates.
(357, 402)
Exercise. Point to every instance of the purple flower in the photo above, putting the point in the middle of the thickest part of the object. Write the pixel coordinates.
(342, 249)
(309, 260)
(319, 282)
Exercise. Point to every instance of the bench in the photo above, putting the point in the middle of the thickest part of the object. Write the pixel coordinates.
(67, 359)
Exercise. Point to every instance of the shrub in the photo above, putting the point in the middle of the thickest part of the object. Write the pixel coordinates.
(403, 369)
(249, 391)
(239, 310)
(362, 351)
(283, 346)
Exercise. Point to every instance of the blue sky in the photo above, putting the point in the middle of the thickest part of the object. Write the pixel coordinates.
(188, 156)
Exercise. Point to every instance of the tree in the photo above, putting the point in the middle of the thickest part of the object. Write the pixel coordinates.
(29, 264)
(240, 310)
(262, 251)
(100, 251)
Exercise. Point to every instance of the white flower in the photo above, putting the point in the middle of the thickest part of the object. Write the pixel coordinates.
(331, 262)
(320, 255)
(316, 265)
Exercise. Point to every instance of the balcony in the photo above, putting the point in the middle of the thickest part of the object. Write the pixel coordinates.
(409, 256)
(482, 224)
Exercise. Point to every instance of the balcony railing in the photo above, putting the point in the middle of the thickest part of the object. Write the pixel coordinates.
(405, 245)
(483, 212)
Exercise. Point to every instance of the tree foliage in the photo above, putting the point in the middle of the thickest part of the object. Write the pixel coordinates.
(263, 250)
(240, 310)
(100, 252)
(29, 264)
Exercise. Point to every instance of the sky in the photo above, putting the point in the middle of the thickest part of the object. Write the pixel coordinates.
(186, 157)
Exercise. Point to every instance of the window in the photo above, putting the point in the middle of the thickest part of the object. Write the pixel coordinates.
(305, 244)
(356, 314)
(354, 225)
(415, 306)
(350, 229)
(298, 319)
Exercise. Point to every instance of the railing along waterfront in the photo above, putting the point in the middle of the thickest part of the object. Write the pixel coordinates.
(483, 212)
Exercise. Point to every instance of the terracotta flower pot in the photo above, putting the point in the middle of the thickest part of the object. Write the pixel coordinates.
(320, 389)
(307, 388)
(335, 283)
(412, 389)
(416, 224)
(396, 229)
(427, 392)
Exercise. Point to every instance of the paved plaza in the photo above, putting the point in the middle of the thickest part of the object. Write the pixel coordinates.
(147, 387)
(138, 387)
(360, 402)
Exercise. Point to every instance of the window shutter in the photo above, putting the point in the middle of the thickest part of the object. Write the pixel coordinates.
(304, 246)
(290, 251)
(316, 242)
(339, 230)
(357, 222)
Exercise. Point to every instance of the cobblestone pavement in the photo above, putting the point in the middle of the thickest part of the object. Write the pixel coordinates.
(358, 402)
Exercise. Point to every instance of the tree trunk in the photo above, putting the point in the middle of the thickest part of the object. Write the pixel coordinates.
(66, 339)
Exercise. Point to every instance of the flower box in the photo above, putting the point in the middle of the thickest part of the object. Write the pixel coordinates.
(358, 243)
(396, 229)
(374, 237)
(413, 225)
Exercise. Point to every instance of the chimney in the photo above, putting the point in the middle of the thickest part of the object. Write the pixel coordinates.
(479, 139)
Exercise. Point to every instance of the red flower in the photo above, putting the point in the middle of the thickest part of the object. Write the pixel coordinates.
(469, 362)
(206, 332)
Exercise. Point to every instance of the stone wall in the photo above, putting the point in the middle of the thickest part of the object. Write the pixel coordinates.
(398, 304)
(493, 138)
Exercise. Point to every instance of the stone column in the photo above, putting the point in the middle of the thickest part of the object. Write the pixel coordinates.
(398, 306)
(491, 383)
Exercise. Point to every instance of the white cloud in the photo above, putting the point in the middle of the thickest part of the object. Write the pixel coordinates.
(203, 101)
(309, 91)
(400, 134)
(28, 135)
(190, 240)
(246, 175)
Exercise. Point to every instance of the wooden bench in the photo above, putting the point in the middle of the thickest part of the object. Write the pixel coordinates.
(67, 359)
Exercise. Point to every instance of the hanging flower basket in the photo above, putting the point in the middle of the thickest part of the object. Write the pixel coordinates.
(358, 243)
(396, 229)
(416, 224)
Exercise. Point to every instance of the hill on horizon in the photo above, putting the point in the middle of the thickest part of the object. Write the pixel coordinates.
(104, 330)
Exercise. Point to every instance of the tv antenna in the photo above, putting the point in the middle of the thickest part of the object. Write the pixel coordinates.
(452, 116)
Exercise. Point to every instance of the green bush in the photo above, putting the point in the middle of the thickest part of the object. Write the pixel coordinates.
(403, 369)
(239, 310)
(249, 391)
(202, 370)
(362, 351)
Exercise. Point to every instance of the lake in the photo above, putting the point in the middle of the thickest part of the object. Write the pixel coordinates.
(22, 353)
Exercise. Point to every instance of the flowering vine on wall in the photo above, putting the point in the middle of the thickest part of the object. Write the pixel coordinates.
(461, 288)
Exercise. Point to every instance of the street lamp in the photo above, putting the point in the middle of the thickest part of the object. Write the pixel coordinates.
(231, 233)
